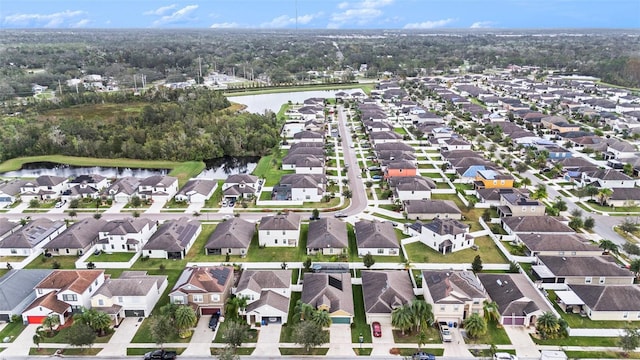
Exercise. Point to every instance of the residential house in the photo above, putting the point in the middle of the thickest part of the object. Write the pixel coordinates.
(63, 293)
(300, 187)
(77, 239)
(579, 270)
(30, 238)
(240, 186)
(94, 180)
(85, 186)
(197, 191)
(267, 293)
(330, 292)
(279, 230)
(327, 236)
(453, 144)
(617, 149)
(10, 191)
(454, 295)
(308, 136)
(158, 186)
(519, 303)
(376, 238)
(559, 124)
(607, 178)
(411, 187)
(380, 137)
(608, 302)
(494, 196)
(133, 294)
(443, 235)
(624, 197)
(535, 225)
(400, 168)
(16, 290)
(492, 179)
(304, 163)
(395, 146)
(173, 239)
(431, 209)
(205, 288)
(7, 227)
(44, 187)
(123, 189)
(515, 204)
(384, 291)
(126, 235)
(557, 244)
(231, 237)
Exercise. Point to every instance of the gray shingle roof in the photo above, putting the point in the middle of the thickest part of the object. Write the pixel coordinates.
(233, 233)
(332, 290)
(31, 234)
(505, 292)
(198, 186)
(78, 236)
(288, 221)
(557, 242)
(17, 285)
(126, 226)
(583, 266)
(609, 297)
(173, 235)
(327, 232)
(257, 280)
(384, 291)
(431, 207)
(536, 224)
(272, 299)
(447, 227)
(131, 283)
(375, 234)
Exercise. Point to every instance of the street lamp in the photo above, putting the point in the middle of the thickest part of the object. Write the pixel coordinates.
(361, 340)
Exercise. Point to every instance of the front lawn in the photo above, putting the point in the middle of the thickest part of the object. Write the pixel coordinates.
(66, 351)
(113, 257)
(487, 249)
(575, 321)
(270, 168)
(42, 262)
(601, 355)
(579, 341)
(252, 335)
(301, 351)
(287, 329)
(495, 335)
(143, 335)
(359, 325)
(142, 351)
(12, 330)
(60, 336)
(241, 351)
(411, 337)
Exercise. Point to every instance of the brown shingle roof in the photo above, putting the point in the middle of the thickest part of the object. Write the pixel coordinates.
(77, 281)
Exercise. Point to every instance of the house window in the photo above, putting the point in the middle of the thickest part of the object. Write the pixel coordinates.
(625, 314)
(561, 253)
(178, 300)
(39, 291)
(100, 302)
(441, 307)
(588, 280)
(602, 280)
(276, 241)
(495, 182)
(90, 288)
(476, 302)
(66, 250)
(456, 307)
(533, 208)
(501, 182)
(69, 297)
(524, 208)
(215, 297)
(120, 299)
(14, 251)
(380, 251)
(197, 298)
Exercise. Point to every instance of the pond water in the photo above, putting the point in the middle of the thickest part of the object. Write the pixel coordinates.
(273, 102)
(215, 169)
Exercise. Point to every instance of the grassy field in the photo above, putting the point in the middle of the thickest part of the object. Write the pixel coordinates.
(252, 334)
(359, 325)
(411, 337)
(114, 257)
(488, 251)
(97, 111)
(364, 86)
(12, 330)
(182, 170)
(242, 351)
(301, 351)
(601, 355)
(495, 335)
(41, 262)
(269, 168)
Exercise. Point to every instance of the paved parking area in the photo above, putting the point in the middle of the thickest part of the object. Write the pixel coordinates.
(121, 339)
(340, 340)
(202, 338)
(268, 341)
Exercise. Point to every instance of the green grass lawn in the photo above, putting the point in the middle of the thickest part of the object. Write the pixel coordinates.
(363, 351)
(216, 197)
(488, 251)
(495, 335)
(87, 203)
(599, 207)
(287, 329)
(301, 351)
(241, 351)
(579, 341)
(442, 185)
(173, 204)
(66, 352)
(411, 337)
(269, 168)
(142, 351)
(400, 131)
(41, 262)
(601, 355)
(143, 335)
(60, 337)
(411, 351)
(359, 325)
(113, 257)
(251, 338)
(12, 330)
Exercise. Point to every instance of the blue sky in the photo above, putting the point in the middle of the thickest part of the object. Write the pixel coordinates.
(320, 14)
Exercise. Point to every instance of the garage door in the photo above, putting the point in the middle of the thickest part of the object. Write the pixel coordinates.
(209, 311)
(134, 313)
(35, 319)
(5, 317)
(509, 320)
(341, 320)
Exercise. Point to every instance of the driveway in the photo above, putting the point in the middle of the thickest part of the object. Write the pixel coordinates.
(522, 342)
(157, 205)
(202, 338)
(340, 340)
(383, 344)
(115, 208)
(19, 208)
(268, 341)
(457, 347)
(122, 337)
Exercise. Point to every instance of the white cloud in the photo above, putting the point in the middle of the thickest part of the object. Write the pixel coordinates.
(430, 24)
(360, 13)
(482, 24)
(44, 20)
(80, 24)
(285, 20)
(161, 10)
(178, 16)
(225, 25)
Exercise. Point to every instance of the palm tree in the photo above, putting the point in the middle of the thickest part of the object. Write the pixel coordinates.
(540, 192)
(608, 246)
(526, 182)
(50, 322)
(321, 318)
(235, 305)
(491, 311)
(37, 337)
(475, 325)
(421, 313)
(302, 311)
(547, 325)
(603, 195)
(401, 318)
(184, 318)
(101, 322)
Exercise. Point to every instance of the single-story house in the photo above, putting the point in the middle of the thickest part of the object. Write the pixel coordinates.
(173, 239)
(384, 291)
(231, 237)
(330, 292)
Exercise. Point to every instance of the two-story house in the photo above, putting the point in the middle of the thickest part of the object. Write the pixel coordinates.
(487, 179)
(516, 204)
(173, 239)
(126, 235)
(443, 235)
(454, 295)
(267, 293)
(580, 270)
(158, 186)
(331, 293)
(63, 293)
(85, 186)
(77, 239)
(304, 163)
(133, 294)
(206, 288)
(411, 187)
(279, 230)
(45, 187)
(240, 186)
(123, 189)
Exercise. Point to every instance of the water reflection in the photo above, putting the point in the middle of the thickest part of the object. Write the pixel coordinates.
(221, 168)
(262, 102)
(33, 170)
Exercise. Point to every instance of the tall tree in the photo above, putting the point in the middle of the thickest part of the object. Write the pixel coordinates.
(540, 192)
(162, 329)
(475, 325)
(80, 334)
(309, 334)
(50, 322)
(184, 318)
(490, 311)
(476, 265)
(302, 311)
(603, 195)
(422, 313)
(608, 246)
(630, 340)
(547, 325)
(402, 318)
(368, 260)
(235, 334)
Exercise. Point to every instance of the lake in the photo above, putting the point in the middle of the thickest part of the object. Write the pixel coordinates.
(215, 169)
(262, 102)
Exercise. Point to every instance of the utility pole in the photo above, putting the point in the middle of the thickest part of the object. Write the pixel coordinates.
(60, 87)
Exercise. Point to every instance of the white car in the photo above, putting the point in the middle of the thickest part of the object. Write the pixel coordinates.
(504, 356)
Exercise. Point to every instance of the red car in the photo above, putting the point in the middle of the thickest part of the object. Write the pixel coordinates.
(377, 330)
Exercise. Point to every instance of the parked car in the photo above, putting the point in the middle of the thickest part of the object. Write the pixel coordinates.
(445, 332)
(377, 329)
(421, 355)
(340, 215)
(213, 322)
(504, 356)
(59, 204)
(160, 354)
(376, 177)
